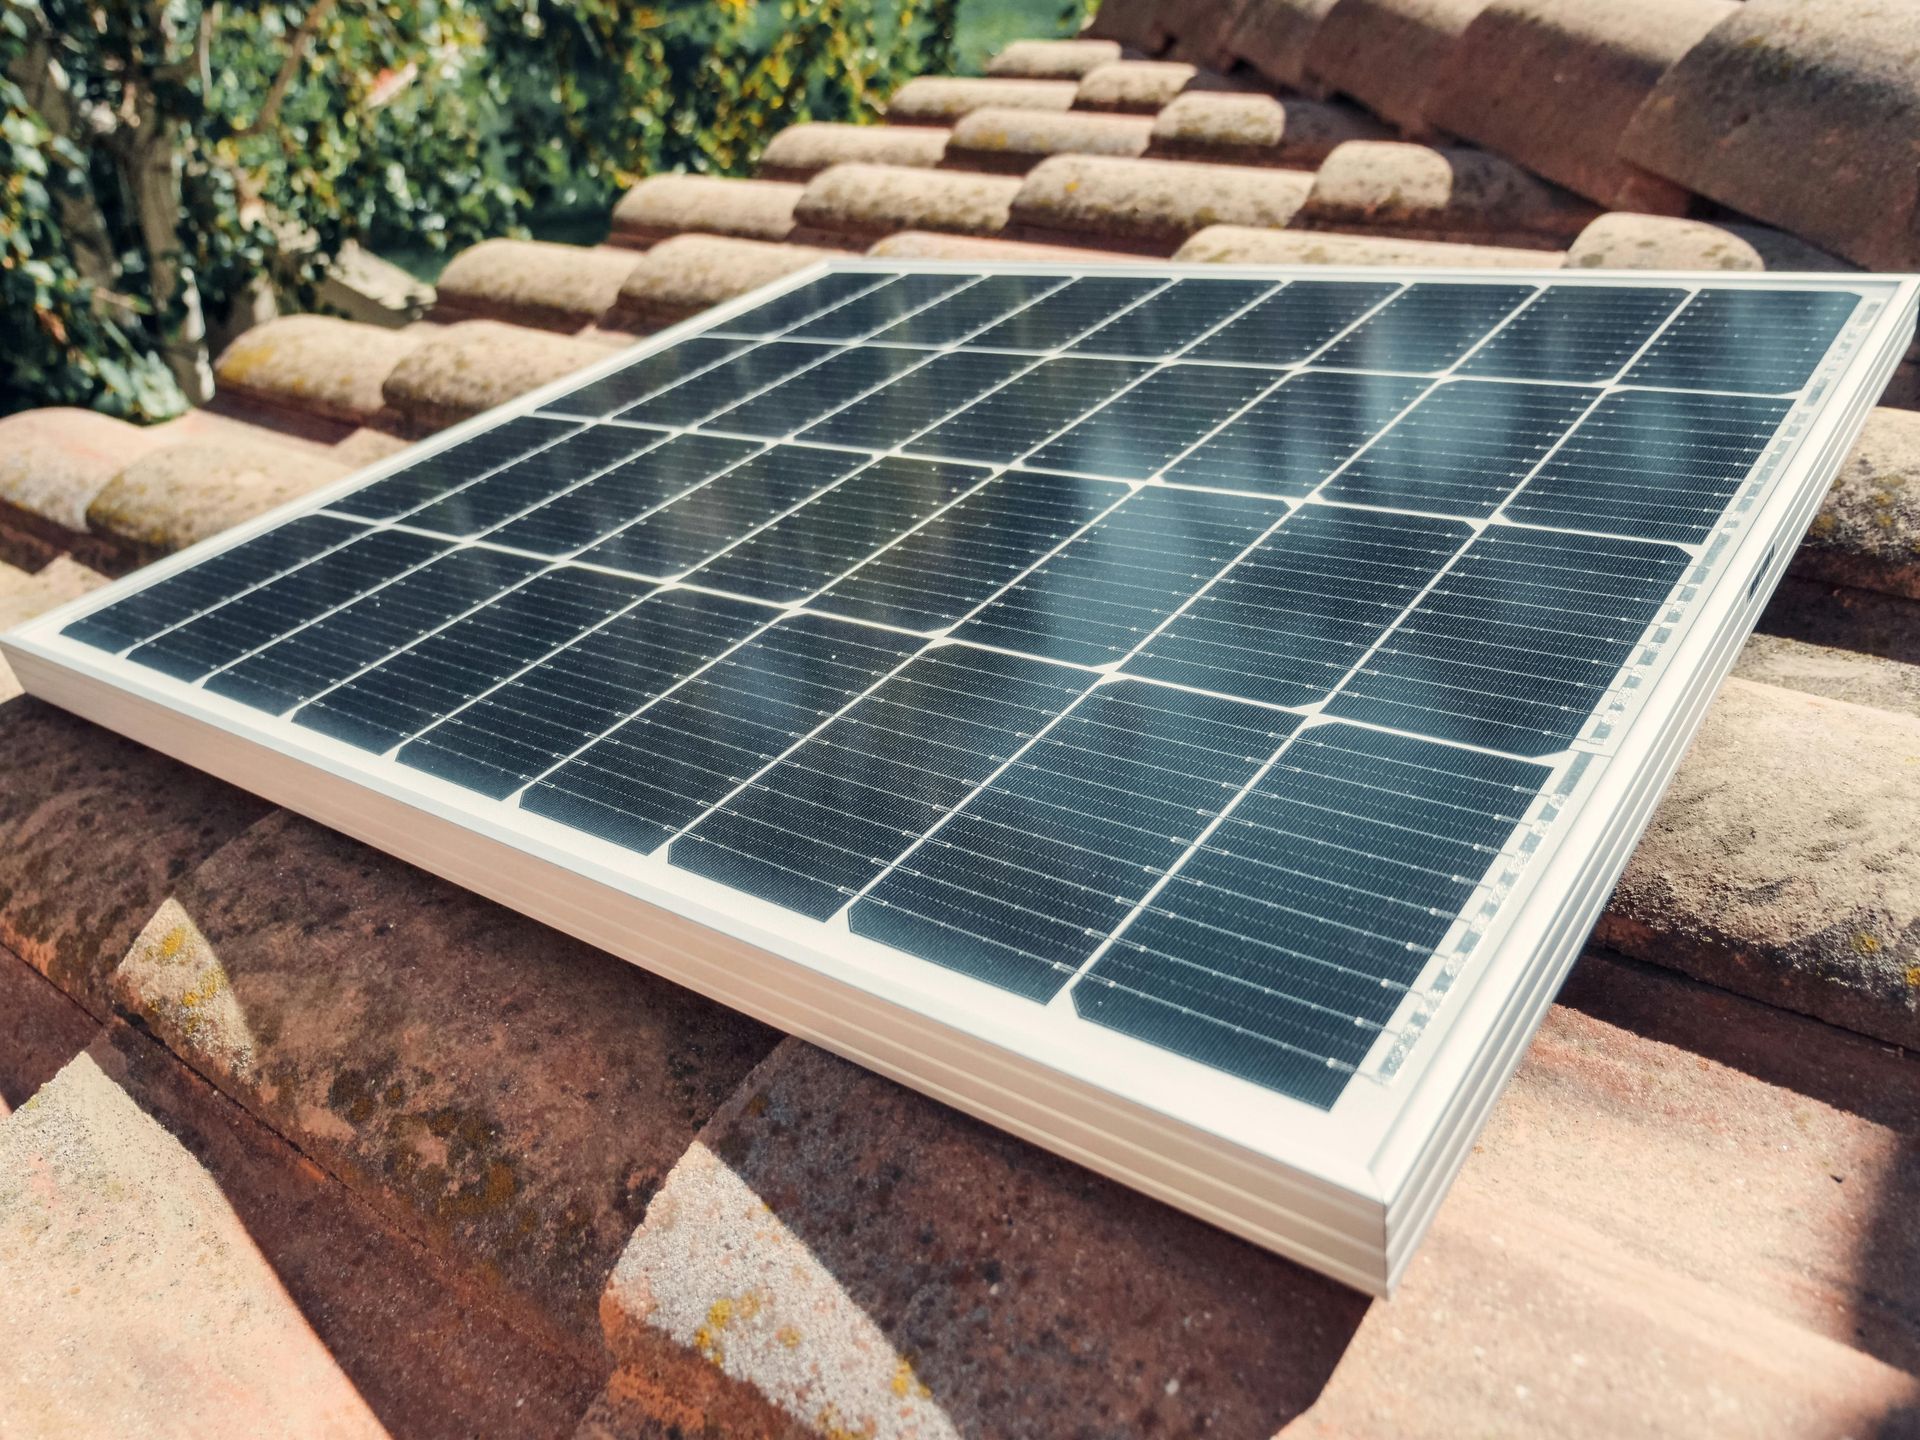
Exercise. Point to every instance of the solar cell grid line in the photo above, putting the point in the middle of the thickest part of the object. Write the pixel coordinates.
(812, 830)
(261, 615)
(553, 709)
(673, 761)
(1462, 448)
(1292, 438)
(1145, 426)
(921, 398)
(1057, 319)
(1008, 422)
(877, 309)
(594, 509)
(728, 383)
(1583, 334)
(1281, 949)
(813, 545)
(1103, 592)
(1300, 318)
(795, 403)
(648, 375)
(953, 319)
(429, 680)
(533, 479)
(1026, 879)
(1286, 622)
(213, 581)
(939, 572)
(426, 480)
(1171, 319)
(710, 518)
(1769, 341)
(317, 656)
(1426, 327)
(1653, 464)
(803, 302)
(1514, 646)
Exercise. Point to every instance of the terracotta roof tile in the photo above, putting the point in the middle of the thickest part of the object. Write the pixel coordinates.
(367, 445)
(1621, 240)
(664, 205)
(1241, 245)
(1258, 129)
(1199, 30)
(1141, 87)
(25, 594)
(314, 363)
(926, 245)
(1867, 534)
(943, 99)
(1273, 36)
(181, 494)
(532, 282)
(1804, 114)
(1553, 84)
(1387, 54)
(1787, 662)
(1137, 24)
(1149, 205)
(475, 365)
(860, 203)
(800, 152)
(1052, 59)
(54, 461)
(686, 274)
(1421, 192)
(1015, 140)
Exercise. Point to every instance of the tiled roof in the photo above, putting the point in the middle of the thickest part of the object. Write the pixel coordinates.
(339, 1146)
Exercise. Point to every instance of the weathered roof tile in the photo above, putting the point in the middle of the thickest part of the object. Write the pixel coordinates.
(532, 282)
(1015, 140)
(1137, 24)
(315, 363)
(1258, 129)
(800, 152)
(863, 202)
(1141, 87)
(25, 594)
(1273, 37)
(1150, 205)
(1052, 59)
(54, 461)
(1622, 240)
(475, 365)
(1240, 245)
(1867, 533)
(1426, 193)
(943, 99)
(664, 205)
(681, 277)
(1553, 84)
(1387, 54)
(1804, 114)
(927, 245)
(181, 494)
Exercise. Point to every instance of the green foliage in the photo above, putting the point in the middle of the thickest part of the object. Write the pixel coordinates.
(180, 151)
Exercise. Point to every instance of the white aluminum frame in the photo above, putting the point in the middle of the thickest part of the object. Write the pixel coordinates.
(1348, 1191)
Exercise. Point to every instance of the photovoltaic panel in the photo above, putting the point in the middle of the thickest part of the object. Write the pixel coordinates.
(1132, 703)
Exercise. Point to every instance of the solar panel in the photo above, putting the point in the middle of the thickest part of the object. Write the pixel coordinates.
(1188, 717)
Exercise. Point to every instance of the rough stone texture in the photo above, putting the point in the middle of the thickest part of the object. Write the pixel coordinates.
(1622, 240)
(1273, 37)
(169, 1268)
(316, 363)
(1439, 194)
(40, 1031)
(1553, 84)
(25, 594)
(1051, 59)
(1804, 114)
(1876, 680)
(532, 282)
(1865, 623)
(180, 495)
(800, 152)
(1239, 245)
(54, 461)
(1199, 31)
(1140, 87)
(1867, 533)
(925, 245)
(1387, 54)
(1014, 140)
(943, 99)
(476, 365)
(665, 205)
(1793, 887)
(864, 202)
(94, 833)
(1258, 129)
(511, 1097)
(1150, 205)
(1137, 24)
(683, 276)
(367, 446)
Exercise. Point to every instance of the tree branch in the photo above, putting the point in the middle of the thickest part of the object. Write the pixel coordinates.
(302, 38)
